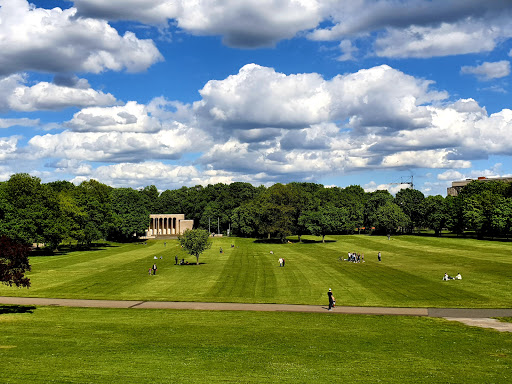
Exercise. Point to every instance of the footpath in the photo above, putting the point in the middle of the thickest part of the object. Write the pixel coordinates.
(474, 317)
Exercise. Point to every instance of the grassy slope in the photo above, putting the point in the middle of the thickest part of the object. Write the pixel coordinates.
(409, 275)
(76, 345)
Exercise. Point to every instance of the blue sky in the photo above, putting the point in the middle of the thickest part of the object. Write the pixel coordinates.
(172, 93)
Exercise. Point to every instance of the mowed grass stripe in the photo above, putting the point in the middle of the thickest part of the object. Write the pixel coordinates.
(409, 275)
(100, 273)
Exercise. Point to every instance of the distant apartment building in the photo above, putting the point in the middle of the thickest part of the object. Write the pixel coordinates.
(457, 186)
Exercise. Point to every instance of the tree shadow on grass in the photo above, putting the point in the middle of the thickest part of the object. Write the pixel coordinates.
(5, 309)
(66, 249)
(308, 241)
(278, 241)
(184, 265)
(268, 241)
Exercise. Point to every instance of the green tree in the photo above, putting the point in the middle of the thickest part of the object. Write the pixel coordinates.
(435, 214)
(478, 210)
(22, 208)
(93, 198)
(150, 199)
(389, 217)
(130, 215)
(411, 200)
(244, 220)
(31, 211)
(277, 211)
(353, 198)
(501, 217)
(195, 242)
(325, 221)
(14, 262)
(375, 200)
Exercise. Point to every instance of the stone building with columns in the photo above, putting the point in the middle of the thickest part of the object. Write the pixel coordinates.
(168, 225)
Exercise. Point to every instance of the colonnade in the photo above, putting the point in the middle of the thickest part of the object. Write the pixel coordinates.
(164, 224)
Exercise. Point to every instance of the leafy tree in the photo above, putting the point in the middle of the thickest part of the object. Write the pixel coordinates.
(195, 242)
(277, 211)
(130, 215)
(352, 198)
(172, 201)
(501, 217)
(22, 208)
(93, 198)
(72, 216)
(325, 221)
(31, 211)
(375, 200)
(14, 262)
(410, 200)
(150, 196)
(478, 210)
(302, 200)
(454, 214)
(389, 217)
(435, 213)
(244, 220)
(214, 216)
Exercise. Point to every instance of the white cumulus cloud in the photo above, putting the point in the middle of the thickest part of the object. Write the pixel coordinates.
(249, 23)
(55, 40)
(487, 70)
(15, 95)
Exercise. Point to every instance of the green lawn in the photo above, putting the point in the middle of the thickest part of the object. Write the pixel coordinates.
(83, 345)
(78, 345)
(408, 276)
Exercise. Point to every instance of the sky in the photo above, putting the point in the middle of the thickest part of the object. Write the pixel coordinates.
(178, 93)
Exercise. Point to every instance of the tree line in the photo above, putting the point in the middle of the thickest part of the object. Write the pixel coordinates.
(60, 211)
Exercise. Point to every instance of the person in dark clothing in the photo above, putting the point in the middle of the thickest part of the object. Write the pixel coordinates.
(176, 260)
(154, 269)
(331, 299)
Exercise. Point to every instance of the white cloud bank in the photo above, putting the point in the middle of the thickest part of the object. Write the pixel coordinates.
(55, 40)
(416, 28)
(249, 23)
(260, 126)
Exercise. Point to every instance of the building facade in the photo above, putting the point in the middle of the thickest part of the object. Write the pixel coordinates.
(457, 186)
(168, 225)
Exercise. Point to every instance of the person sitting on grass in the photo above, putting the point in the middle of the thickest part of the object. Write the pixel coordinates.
(446, 277)
(458, 276)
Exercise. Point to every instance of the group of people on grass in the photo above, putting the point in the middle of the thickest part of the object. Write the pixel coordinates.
(354, 257)
(281, 262)
(446, 277)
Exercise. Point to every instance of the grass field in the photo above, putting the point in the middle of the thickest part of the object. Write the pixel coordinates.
(408, 276)
(77, 345)
(85, 345)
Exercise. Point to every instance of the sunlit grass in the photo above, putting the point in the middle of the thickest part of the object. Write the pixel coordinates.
(409, 275)
(77, 345)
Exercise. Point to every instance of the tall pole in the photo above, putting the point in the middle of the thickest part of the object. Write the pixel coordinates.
(209, 231)
(218, 224)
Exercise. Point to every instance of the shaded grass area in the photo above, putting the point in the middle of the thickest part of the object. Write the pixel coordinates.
(408, 276)
(77, 345)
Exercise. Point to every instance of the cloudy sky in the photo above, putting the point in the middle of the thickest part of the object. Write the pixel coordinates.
(186, 92)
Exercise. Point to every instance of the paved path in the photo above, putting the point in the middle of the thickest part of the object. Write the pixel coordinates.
(474, 317)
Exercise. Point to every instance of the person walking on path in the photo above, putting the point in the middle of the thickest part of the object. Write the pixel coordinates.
(331, 299)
